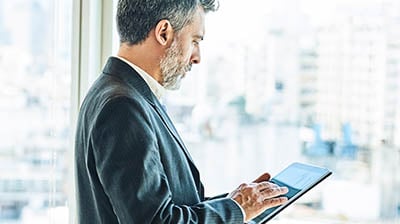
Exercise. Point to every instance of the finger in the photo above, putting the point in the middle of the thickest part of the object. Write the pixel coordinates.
(274, 191)
(265, 185)
(263, 177)
(272, 202)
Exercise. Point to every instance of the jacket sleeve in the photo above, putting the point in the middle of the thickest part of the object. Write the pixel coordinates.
(130, 170)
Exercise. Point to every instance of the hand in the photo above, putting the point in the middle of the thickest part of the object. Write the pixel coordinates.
(258, 196)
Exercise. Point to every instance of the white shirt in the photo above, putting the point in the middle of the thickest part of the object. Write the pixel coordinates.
(155, 87)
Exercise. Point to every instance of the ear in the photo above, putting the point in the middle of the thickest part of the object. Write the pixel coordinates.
(164, 32)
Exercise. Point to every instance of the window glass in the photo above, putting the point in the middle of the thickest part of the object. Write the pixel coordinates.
(299, 80)
(35, 83)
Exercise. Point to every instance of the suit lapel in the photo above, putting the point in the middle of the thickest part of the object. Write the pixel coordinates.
(167, 121)
(123, 71)
(170, 126)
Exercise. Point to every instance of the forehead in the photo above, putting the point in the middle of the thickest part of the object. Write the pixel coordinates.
(197, 26)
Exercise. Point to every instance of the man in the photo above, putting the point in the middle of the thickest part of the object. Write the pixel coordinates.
(131, 164)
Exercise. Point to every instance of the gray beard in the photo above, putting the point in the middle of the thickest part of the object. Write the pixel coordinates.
(172, 70)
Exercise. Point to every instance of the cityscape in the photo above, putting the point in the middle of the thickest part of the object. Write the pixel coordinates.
(316, 86)
(279, 82)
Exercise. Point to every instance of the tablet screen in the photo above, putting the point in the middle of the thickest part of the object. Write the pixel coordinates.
(298, 178)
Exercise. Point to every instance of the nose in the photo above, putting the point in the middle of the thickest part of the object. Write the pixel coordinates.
(196, 57)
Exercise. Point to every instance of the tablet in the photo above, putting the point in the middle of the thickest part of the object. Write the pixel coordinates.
(298, 178)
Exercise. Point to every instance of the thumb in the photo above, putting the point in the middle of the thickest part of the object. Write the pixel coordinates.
(263, 177)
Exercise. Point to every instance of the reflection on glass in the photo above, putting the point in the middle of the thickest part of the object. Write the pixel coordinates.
(34, 110)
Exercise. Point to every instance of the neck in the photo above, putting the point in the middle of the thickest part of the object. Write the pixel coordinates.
(144, 56)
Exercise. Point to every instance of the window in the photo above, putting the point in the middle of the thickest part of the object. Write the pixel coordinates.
(241, 112)
(35, 86)
(238, 124)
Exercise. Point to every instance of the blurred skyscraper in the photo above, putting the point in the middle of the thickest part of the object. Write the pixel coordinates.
(392, 88)
(355, 66)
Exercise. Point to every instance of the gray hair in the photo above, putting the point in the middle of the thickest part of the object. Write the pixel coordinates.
(136, 18)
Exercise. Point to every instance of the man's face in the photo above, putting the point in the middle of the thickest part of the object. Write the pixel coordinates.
(183, 52)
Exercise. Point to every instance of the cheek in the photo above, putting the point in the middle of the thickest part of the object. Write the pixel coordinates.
(186, 52)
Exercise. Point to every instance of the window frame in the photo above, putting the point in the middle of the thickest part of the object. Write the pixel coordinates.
(91, 46)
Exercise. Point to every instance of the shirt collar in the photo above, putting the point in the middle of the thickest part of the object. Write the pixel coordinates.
(157, 89)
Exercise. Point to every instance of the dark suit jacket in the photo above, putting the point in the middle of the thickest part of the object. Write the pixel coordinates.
(131, 164)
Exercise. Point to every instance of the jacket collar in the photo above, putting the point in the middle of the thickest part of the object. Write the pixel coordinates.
(117, 68)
